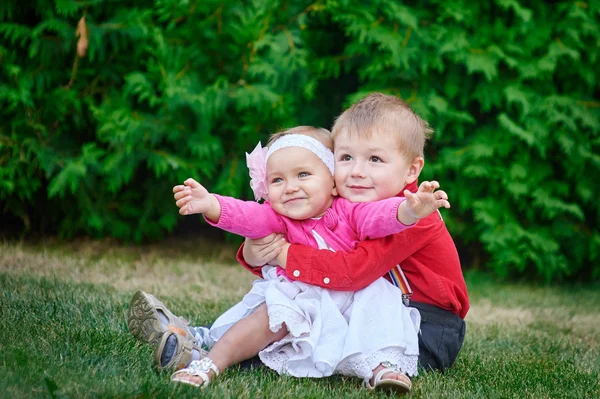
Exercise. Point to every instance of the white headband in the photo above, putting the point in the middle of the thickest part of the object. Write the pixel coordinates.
(302, 141)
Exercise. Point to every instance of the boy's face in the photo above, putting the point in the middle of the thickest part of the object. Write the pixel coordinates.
(371, 169)
(300, 185)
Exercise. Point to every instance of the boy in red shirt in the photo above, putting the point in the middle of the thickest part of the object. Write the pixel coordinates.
(426, 253)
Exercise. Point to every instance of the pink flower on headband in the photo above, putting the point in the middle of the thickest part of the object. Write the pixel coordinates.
(257, 165)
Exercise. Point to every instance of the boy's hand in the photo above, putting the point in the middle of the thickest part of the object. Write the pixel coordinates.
(423, 203)
(281, 259)
(192, 198)
(261, 251)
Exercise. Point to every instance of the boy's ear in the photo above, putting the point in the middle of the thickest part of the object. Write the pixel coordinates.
(334, 191)
(414, 170)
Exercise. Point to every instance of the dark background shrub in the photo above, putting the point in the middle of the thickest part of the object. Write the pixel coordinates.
(92, 144)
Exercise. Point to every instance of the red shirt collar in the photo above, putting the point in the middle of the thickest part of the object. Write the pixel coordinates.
(412, 187)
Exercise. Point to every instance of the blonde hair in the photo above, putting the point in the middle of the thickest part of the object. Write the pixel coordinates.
(383, 114)
(318, 133)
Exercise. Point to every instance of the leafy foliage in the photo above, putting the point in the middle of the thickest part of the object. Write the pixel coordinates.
(92, 143)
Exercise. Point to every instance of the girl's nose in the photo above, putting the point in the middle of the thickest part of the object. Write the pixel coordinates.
(291, 187)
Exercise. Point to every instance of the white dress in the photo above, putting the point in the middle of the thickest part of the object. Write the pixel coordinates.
(330, 332)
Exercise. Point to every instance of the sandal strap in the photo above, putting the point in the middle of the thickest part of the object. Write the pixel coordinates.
(378, 376)
(203, 365)
(381, 373)
(198, 368)
(204, 376)
(388, 368)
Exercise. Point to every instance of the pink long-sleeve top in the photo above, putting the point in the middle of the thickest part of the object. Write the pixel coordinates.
(342, 226)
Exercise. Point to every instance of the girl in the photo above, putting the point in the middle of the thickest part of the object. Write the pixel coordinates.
(307, 331)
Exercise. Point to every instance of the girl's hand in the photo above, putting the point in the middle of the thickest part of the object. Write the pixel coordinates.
(192, 197)
(262, 251)
(426, 200)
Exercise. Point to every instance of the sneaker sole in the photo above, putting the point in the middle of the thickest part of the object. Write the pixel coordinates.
(143, 320)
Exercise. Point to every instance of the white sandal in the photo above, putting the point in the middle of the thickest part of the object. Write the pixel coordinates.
(387, 384)
(197, 368)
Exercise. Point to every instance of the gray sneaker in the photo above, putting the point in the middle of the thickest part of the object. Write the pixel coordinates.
(145, 321)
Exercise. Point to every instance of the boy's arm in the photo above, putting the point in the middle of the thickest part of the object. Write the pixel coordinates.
(360, 267)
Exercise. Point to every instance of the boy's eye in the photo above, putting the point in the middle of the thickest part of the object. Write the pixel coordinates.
(277, 180)
(303, 174)
(375, 159)
(345, 157)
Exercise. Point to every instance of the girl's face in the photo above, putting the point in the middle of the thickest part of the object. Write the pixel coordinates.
(300, 185)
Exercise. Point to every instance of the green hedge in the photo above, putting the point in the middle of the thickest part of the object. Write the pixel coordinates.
(92, 144)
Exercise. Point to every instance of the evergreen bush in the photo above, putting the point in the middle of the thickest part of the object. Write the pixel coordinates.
(105, 105)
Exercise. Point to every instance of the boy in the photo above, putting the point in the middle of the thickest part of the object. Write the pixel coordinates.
(426, 253)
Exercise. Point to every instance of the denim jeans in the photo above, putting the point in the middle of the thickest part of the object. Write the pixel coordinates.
(441, 337)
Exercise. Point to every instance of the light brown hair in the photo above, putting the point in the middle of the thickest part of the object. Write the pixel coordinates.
(384, 114)
(318, 133)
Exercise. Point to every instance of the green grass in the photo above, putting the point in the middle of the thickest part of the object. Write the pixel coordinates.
(63, 331)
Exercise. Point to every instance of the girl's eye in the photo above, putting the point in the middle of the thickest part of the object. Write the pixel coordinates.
(277, 180)
(303, 174)
(345, 157)
(375, 159)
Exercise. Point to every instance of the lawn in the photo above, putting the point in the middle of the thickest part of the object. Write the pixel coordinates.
(63, 331)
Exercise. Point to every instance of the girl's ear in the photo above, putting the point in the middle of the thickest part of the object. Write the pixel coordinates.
(414, 170)
(334, 191)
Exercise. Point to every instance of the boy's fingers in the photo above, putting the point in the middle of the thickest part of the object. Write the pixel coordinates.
(178, 188)
(434, 184)
(269, 256)
(265, 240)
(279, 243)
(275, 243)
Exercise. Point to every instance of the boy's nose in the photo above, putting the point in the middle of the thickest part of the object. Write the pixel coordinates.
(358, 170)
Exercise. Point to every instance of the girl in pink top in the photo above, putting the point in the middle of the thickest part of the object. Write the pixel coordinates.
(299, 329)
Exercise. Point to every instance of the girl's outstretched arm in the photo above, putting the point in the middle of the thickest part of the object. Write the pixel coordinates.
(248, 218)
(192, 197)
